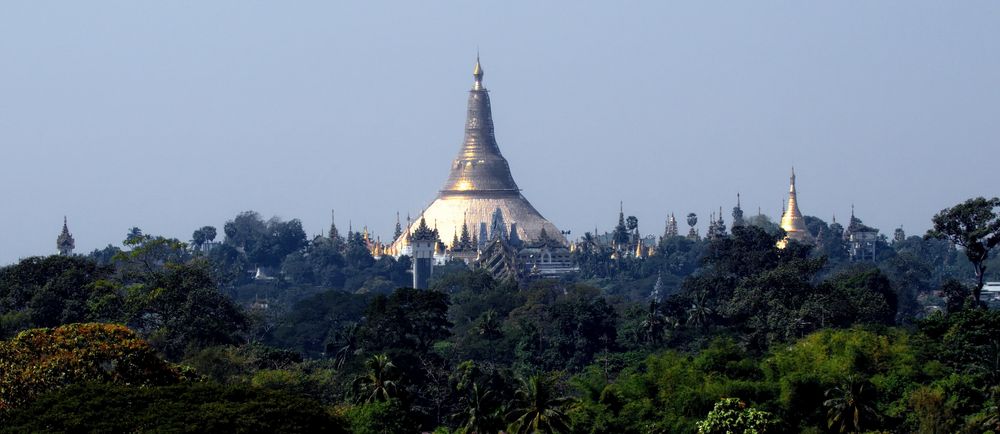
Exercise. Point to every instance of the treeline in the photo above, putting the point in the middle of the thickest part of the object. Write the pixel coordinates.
(919, 265)
(725, 335)
(269, 258)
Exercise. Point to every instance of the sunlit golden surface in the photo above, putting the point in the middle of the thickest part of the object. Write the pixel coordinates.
(792, 221)
(449, 212)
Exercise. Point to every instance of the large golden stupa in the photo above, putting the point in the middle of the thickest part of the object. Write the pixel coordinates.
(480, 183)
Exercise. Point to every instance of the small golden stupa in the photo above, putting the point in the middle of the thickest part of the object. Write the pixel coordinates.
(792, 221)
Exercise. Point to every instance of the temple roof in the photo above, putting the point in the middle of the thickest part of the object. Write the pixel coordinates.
(65, 240)
(423, 233)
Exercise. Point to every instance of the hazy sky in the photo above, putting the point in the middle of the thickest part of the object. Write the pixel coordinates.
(174, 115)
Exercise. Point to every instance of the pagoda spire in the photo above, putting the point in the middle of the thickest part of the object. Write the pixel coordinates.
(334, 233)
(791, 219)
(65, 242)
(479, 165)
(738, 212)
(464, 239)
(477, 73)
(399, 228)
(671, 230)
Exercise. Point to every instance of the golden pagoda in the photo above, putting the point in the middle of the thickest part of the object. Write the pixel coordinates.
(480, 183)
(640, 250)
(792, 221)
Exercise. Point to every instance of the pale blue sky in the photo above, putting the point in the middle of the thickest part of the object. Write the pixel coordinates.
(173, 115)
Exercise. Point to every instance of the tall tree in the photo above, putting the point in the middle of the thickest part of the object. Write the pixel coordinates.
(203, 235)
(181, 309)
(53, 290)
(379, 383)
(632, 224)
(538, 409)
(481, 415)
(851, 406)
(975, 226)
(407, 321)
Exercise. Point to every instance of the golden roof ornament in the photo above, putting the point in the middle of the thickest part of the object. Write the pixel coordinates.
(477, 73)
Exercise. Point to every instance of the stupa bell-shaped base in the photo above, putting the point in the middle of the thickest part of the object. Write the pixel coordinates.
(450, 212)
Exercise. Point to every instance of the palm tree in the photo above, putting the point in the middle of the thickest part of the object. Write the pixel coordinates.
(851, 406)
(699, 313)
(481, 414)
(992, 419)
(379, 383)
(489, 325)
(347, 347)
(536, 409)
(654, 325)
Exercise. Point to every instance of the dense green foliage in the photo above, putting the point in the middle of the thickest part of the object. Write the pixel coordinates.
(730, 415)
(187, 407)
(269, 331)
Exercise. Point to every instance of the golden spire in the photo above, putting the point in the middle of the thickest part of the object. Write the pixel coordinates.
(477, 73)
(791, 218)
(479, 165)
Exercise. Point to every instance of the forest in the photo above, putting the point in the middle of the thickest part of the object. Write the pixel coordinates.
(267, 330)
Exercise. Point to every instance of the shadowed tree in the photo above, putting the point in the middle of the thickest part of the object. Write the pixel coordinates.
(347, 346)
(204, 235)
(537, 409)
(991, 422)
(654, 325)
(489, 325)
(851, 406)
(481, 415)
(380, 383)
(973, 225)
(956, 295)
(632, 224)
(700, 313)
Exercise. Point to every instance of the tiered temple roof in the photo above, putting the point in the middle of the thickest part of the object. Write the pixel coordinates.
(65, 242)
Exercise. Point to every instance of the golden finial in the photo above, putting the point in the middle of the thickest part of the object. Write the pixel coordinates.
(477, 72)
